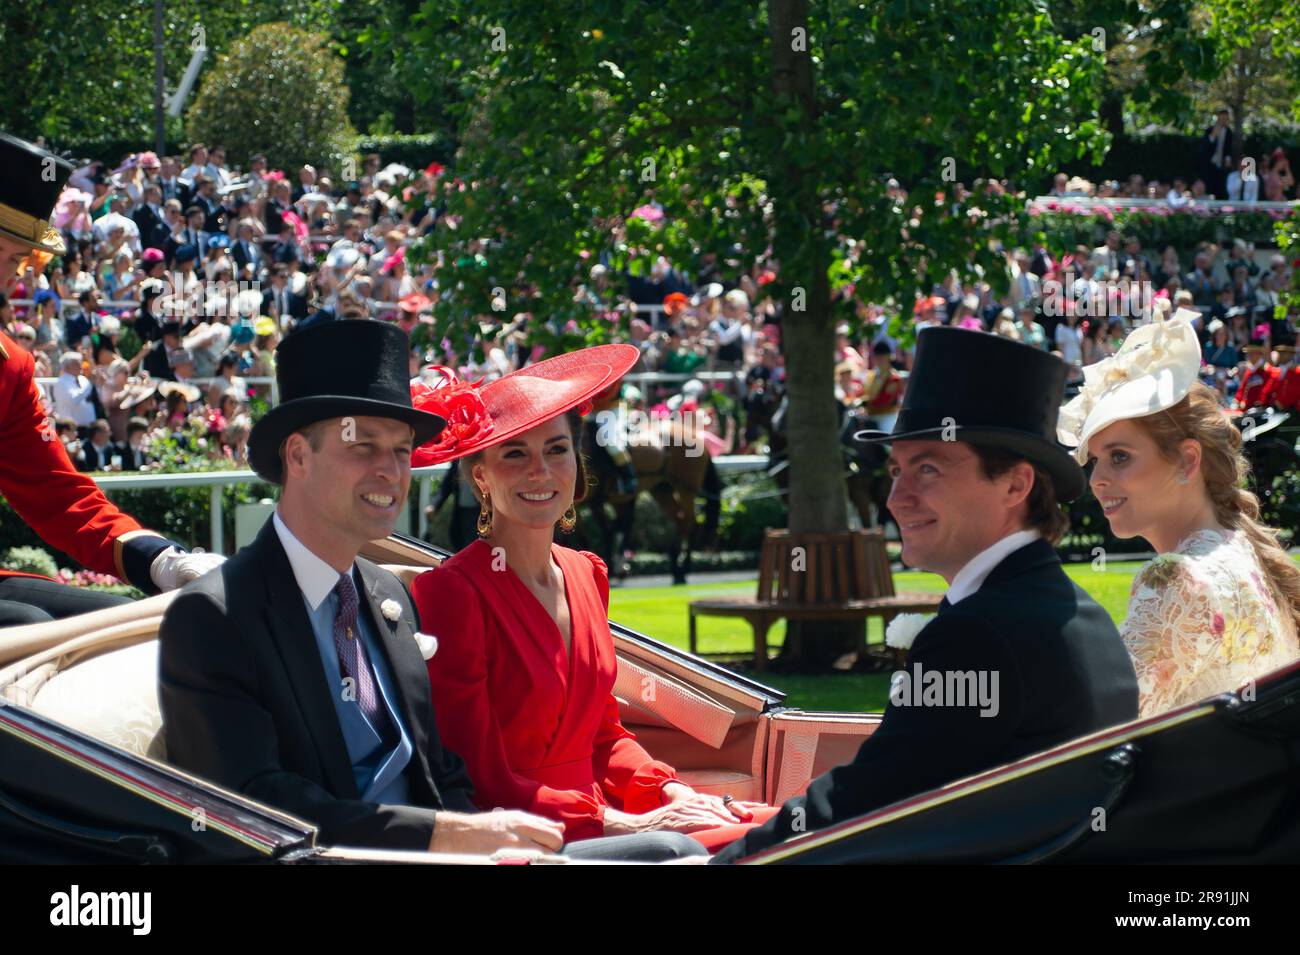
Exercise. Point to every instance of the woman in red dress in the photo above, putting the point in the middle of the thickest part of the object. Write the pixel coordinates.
(524, 669)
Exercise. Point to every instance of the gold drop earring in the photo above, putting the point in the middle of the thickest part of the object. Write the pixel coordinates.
(570, 519)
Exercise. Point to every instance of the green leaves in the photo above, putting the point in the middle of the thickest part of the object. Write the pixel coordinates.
(242, 101)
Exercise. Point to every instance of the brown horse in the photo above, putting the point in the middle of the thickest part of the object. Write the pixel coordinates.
(674, 472)
(865, 479)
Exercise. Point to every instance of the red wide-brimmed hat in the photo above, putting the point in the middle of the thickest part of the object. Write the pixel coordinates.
(479, 416)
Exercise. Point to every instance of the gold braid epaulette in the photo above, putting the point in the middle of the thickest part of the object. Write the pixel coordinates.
(28, 227)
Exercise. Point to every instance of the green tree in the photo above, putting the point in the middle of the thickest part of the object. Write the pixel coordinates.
(1257, 46)
(280, 91)
(768, 125)
(395, 86)
(1149, 46)
(84, 70)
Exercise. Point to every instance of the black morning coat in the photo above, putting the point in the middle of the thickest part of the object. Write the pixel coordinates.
(246, 703)
(1063, 672)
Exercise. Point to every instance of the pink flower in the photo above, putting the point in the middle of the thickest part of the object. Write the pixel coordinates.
(1217, 625)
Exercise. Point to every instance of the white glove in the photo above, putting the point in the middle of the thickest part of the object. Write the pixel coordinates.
(174, 567)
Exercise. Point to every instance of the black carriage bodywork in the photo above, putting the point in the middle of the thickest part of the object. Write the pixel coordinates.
(1212, 782)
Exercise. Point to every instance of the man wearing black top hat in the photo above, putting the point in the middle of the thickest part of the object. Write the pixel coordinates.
(1019, 658)
(296, 674)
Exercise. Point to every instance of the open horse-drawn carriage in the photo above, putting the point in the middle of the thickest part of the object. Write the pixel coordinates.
(84, 775)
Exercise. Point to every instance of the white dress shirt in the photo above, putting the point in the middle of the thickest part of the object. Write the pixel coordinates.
(971, 577)
(316, 579)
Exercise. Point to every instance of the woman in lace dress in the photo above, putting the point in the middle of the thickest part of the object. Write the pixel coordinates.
(1217, 607)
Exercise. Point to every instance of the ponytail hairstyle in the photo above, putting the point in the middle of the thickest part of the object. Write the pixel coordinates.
(1225, 469)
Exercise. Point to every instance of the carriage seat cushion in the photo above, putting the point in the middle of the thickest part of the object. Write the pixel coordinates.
(722, 782)
(112, 697)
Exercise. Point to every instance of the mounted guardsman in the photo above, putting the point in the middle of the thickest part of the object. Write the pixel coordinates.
(65, 508)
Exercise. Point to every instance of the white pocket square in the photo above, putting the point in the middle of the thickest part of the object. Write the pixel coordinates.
(427, 643)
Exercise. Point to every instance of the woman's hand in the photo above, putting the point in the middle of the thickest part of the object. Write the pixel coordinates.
(685, 816)
(731, 810)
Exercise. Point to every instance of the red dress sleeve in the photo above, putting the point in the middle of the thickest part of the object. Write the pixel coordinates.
(451, 608)
(626, 773)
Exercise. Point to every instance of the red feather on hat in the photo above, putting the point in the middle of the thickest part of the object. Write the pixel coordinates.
(460, 404)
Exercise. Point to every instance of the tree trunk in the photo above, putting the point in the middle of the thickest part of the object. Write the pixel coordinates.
(817, 499)
(1112, 112)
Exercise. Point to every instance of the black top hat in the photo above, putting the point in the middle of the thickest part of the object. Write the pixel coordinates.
(973, 386)
(30, 182)
(356, 367)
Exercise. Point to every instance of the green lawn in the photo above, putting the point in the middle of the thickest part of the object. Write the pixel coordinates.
(660, 612)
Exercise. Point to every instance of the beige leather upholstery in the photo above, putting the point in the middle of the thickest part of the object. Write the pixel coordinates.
(20, 642)
(112, 697)
(723, 782)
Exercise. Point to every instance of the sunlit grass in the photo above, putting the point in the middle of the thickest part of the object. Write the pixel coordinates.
(660, 612)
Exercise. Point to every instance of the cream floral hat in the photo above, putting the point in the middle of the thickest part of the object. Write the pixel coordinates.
(1154, 369)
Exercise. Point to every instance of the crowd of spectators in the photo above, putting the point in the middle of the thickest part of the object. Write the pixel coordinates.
(196, 271)
(1223, 174)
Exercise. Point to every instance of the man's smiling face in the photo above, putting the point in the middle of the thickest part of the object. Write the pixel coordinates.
(947, 510)
(355, 472)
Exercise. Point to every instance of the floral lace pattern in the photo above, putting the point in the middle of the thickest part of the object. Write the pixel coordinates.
(1202, 620)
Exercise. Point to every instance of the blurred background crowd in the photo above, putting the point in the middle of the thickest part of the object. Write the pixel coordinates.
(157, 330)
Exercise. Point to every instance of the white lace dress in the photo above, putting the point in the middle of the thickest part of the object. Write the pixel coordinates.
(1202, 620)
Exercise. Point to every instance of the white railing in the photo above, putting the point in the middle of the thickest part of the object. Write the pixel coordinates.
(48, 385)
(217, 481)
(639, 378)
(675, 377)
(70, 304)
(1217, 206)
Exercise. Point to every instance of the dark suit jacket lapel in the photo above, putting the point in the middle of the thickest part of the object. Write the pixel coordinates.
(291, 630)
(410, 675)
(1033, 556)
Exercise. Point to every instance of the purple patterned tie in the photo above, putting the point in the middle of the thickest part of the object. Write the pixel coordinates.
(352, 656)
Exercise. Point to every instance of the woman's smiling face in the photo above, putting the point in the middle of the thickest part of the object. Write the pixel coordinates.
(1137, 487)
(532, 478)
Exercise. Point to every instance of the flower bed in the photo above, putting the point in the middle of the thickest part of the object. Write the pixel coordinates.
(1065, 224)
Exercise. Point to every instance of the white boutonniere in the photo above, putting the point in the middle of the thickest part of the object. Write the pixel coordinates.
(427, 643)
(391, 610)
(902, 630)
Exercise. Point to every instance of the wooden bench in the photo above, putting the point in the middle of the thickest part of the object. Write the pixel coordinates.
(817, 577)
